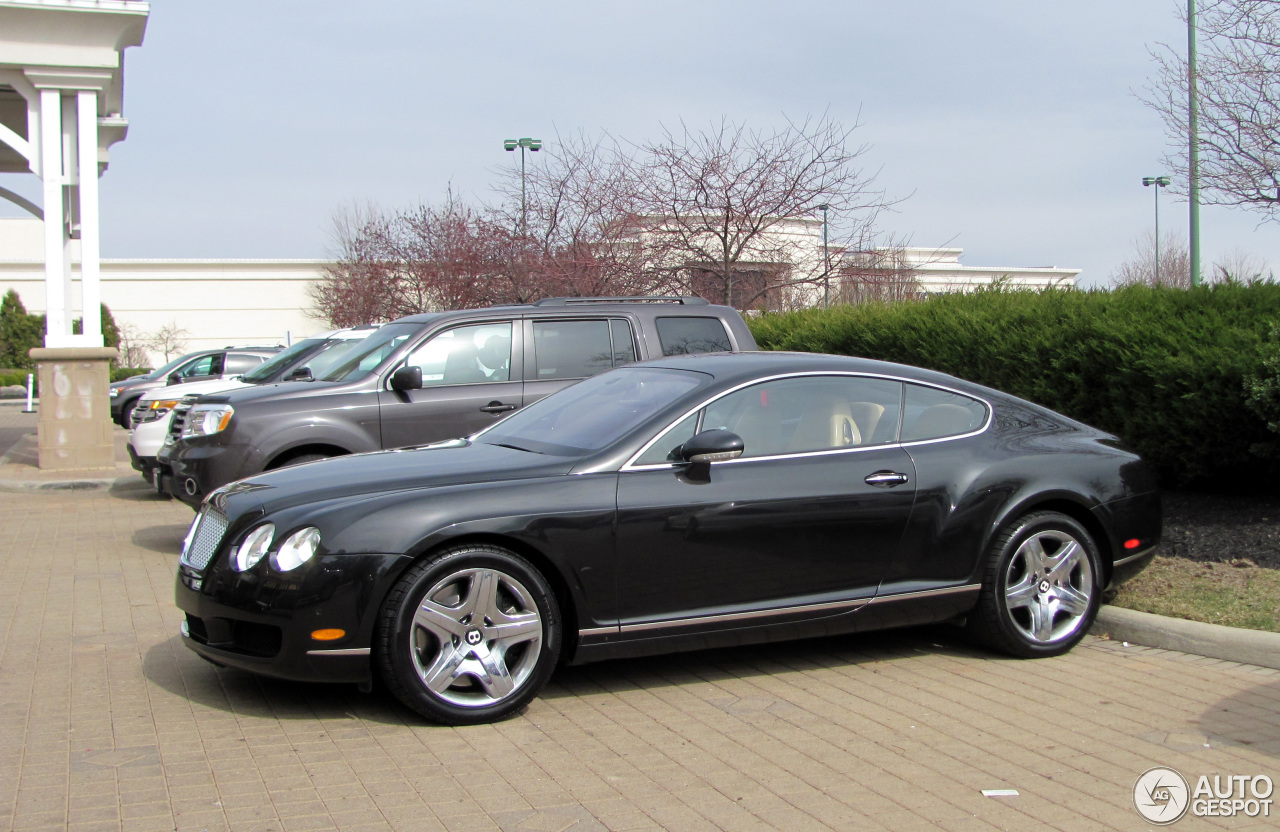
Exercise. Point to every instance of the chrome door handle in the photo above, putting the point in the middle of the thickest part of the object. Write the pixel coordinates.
(498, 407)
(885, 479)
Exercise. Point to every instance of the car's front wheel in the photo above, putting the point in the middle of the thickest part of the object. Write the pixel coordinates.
(1040, 590)
(469, 635)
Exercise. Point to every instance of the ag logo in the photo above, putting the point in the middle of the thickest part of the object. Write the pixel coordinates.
(1161, 795)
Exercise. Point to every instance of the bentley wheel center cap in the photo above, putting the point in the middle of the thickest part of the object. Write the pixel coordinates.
(1044, 587)
(473, 637)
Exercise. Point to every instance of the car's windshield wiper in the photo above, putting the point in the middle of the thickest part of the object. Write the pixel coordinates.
(512, 447)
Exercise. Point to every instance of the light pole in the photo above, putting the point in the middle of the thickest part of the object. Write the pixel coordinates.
(826, 260)
(532, 144)
(1159, 182)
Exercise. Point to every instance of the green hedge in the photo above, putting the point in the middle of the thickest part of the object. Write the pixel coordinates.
(1165, 369)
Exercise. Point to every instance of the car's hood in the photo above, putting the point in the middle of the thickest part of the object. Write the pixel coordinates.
(429, 466)
(276, 390)
(194, 388)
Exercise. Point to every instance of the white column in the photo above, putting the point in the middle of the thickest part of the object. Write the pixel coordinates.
(69, 206)
(90, 274)
(57, 322)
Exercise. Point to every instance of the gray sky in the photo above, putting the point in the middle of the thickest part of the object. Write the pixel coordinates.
(1011, 125)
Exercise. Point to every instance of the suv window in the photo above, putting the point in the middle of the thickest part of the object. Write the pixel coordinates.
(465, 355)
(933, 414)
(795, 416)
(573, 349)
(687, 334)
(205, 365)
(239, 363)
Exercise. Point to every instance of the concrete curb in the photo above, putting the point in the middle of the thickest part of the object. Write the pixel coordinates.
(1213, 640)
(85, 484)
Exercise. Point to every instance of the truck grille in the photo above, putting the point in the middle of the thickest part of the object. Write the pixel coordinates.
(204, 538)
(179, 420)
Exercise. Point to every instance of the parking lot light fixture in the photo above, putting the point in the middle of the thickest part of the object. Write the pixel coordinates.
(1159, 182)
(524, 144)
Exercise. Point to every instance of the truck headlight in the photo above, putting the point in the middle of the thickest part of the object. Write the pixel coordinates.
(207, 419)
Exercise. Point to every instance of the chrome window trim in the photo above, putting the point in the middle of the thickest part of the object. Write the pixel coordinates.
(630, 465)
(849, 605)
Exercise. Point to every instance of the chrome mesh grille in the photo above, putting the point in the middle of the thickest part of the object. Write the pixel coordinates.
(204, 538)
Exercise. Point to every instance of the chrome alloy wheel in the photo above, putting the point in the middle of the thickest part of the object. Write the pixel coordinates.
(1049, 586)
(476, 637)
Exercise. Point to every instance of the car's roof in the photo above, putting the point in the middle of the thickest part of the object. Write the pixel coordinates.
(743, 366)
(586, 307)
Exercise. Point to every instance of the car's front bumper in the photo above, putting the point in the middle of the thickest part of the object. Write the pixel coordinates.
(262, 620)
(200, 467)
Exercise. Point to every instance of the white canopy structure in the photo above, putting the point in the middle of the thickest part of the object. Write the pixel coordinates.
(61, 97)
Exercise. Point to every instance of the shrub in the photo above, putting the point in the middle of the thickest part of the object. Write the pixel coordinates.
(1163, 368)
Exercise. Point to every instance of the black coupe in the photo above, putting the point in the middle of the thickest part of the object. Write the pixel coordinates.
(676, 504)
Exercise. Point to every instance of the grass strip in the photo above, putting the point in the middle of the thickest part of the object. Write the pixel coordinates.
(1235, 594)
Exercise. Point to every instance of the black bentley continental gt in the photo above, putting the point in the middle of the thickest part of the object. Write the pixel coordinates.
(676, 504)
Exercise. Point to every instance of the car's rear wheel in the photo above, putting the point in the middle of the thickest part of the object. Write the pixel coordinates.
(1040, 591)
(469, 635)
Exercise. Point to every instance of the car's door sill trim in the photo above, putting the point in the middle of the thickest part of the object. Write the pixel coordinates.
(831, 606)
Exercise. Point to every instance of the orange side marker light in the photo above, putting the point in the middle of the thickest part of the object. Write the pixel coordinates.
(330, 634)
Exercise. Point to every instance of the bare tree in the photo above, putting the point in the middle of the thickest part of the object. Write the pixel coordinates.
(1238, 90)
(133, 346)
(1175, 263)
(169, 340)
(882, 274)
(723, 204)
(1241, 267)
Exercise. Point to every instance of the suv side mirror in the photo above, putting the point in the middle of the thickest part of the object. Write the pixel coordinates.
(406, 378)
(300, 374)
(712, 446)
(173, 378)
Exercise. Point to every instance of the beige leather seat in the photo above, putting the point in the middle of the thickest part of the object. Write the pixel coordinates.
(866, 415)
(826, 424)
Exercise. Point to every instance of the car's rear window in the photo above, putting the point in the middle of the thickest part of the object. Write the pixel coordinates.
(686, 334)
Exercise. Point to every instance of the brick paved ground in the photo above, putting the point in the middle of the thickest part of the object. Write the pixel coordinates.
(108, 722)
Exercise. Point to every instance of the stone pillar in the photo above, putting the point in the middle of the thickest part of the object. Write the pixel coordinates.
(75, 427)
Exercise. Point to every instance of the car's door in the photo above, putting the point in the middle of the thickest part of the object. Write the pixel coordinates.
(560, 352)
(470, 379)
(812, 512)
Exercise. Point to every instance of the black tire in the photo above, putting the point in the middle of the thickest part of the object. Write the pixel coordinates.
(126, 413)
(436, 599)
(1038, 603)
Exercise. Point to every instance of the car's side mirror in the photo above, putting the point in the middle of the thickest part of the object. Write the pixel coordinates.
(406, 378)
(174, 379)
(300, 374)
(712, 446)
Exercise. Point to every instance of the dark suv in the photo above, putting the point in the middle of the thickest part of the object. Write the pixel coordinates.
(436, 376)
(224, 362)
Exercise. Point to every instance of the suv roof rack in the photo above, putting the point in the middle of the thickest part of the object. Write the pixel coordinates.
(687, 301)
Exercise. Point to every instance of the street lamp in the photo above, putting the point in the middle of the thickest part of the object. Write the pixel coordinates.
(532, 144)
(1159, 182)
(826, 260)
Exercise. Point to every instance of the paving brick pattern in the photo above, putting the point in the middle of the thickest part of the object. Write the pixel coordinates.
(108, 722)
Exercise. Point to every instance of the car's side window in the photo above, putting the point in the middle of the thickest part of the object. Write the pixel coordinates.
(684, 335)
(933, 414)
(465, 355)
(571, 348)
(207, 365)
(624, 345)
(805, 414)
(239, 362)
(668, 445)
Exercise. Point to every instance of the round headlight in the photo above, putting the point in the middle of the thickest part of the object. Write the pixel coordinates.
(297, 549)
(255, 545)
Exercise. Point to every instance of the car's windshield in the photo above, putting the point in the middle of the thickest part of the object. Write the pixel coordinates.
(365, 355)
(594, 414)
(161, 372)
(267, 369)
